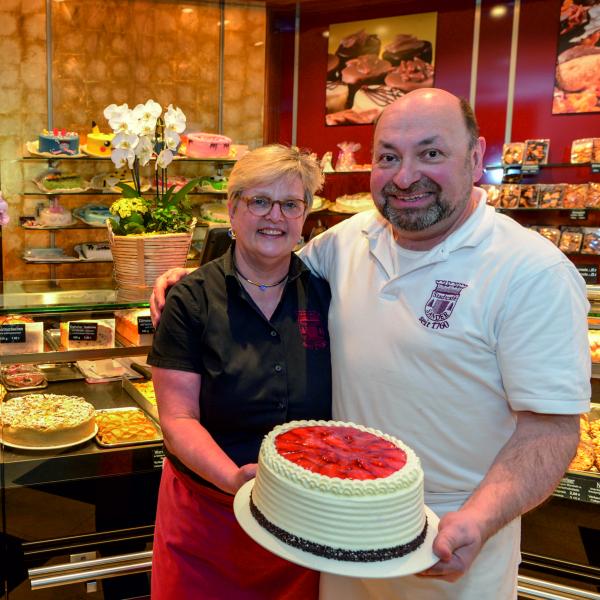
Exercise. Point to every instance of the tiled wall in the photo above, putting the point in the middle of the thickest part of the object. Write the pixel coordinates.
(105, 51)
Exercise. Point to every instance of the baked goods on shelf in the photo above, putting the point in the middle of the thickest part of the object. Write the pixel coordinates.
(125, 426)
(94, 214)
(98, 143)
(46, 420)
(215, 212)
(96, 251)
(410, 75)
(206, 145)
(59, 142)
(87, 334)
(353, 203)
(55, 215)
(22, 377)
(146, 389)
(340, 490)
(57, 181)
(587, 457)
(135, 326)
(20, 335)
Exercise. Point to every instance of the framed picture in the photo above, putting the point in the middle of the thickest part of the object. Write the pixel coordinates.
(372, 63)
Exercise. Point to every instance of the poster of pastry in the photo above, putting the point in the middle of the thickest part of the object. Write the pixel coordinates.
(372, 63)
(577, 80)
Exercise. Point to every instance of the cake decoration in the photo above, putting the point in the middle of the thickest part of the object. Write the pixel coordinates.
(98, 143)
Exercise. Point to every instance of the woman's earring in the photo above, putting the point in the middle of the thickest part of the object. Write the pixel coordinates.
(231, 233)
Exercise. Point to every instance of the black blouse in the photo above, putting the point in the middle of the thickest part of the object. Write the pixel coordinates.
(255, 373)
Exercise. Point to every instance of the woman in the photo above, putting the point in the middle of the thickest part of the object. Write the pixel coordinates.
(242, 346)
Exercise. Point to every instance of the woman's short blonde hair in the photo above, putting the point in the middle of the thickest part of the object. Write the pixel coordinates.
(267, 164)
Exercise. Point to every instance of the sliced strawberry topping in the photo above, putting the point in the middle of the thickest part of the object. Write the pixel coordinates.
(343, 452)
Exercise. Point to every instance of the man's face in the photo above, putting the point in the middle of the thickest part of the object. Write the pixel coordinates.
(423, 169)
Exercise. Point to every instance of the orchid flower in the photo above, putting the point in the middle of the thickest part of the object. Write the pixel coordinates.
(4, 218)
(120, 156)
(171, 139)
(118, 117)
(175, 119)
(144, 150)
(164, 159)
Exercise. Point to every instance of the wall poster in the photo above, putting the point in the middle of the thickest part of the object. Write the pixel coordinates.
(577, 81)
(371, 63)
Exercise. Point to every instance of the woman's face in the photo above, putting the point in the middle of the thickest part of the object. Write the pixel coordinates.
(273, 235)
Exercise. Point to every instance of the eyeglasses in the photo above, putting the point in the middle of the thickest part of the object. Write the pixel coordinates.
(261, 206)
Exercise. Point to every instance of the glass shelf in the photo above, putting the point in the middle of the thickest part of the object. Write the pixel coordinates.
(182, 159)
(544, 166)
(101, 193)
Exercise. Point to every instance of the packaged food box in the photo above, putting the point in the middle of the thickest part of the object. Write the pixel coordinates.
(19, 377)
(87, 334)
(529, 196)
(550, 233)
(591, 241)
(509, 195)
(596, 151)
(493, 194)
(536, 152)
(124, 427)
(593, 196)
(512, 154)
(582, 150)
(575, 195)
(20, 335)
(587, 457)
(551, 195)
(135, 326)
(570, 240)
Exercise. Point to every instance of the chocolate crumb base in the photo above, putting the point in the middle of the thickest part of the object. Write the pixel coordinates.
(337, 553)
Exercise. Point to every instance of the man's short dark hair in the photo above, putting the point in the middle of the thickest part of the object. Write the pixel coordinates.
(470, 122)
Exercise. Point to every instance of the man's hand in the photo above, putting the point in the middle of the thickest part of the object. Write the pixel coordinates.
(245, 473)
(457, 544)
(159, 293)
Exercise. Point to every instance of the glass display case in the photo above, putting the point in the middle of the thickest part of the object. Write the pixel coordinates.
(76, 512)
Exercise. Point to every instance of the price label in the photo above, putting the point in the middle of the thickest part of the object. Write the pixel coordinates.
(530, 169)
(12, 334)
(578, 214)
(145, 325)
(581, 488)
(595, 167)
(83, 332)
(588, 272)
(158, 457)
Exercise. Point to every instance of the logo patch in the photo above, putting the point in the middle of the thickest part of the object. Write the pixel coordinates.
(312, 330)
(441, 303)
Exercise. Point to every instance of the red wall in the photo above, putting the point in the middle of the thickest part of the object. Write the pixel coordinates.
(537, 43)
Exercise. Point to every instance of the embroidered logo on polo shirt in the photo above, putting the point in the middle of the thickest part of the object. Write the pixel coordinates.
(312, 330)
(441, 303)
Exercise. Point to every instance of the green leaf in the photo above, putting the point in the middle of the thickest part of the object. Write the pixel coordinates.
(136, 218)
(179, 196)
(128, 191)
(133, 228)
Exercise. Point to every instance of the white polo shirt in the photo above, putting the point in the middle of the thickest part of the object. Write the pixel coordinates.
(440, 348)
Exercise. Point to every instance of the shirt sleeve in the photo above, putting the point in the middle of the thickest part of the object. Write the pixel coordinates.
(318, 253)
(177, 341)
(542, 343)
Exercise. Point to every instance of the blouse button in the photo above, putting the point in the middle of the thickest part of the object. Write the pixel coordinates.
(278, 368)
(273, 333)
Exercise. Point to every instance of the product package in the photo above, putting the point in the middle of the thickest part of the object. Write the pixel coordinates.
(493, 194)
(593, 196)
(550, 233)
(512, 154)
(570, 240)
(581, 150)
(596, 151)
(509, 195)
(591, 241)
(536, 152)
(529, 196)
(551, 195)
(575, 195)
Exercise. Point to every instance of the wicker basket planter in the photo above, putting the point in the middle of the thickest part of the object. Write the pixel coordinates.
(140, 259)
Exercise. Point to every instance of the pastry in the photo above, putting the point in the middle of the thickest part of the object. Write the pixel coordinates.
(367, 68)
(357, 44)
(407, 47)
(375, 97)
(336, 96)
(351, 117)
(340, 490)
(55, 215)
(206, 145)
(135, 326)
(87, 334)
(59, 142)
(410, 75)
(578, 69)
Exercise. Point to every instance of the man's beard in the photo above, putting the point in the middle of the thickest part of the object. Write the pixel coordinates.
(415, 219)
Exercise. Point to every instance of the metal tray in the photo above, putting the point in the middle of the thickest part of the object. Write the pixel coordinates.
(140, 399)
(61, 371)
(18, 388)
(155, 425)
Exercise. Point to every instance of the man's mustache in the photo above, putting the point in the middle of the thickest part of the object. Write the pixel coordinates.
(423, 185)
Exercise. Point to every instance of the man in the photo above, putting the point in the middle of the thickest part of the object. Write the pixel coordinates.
(461, 333)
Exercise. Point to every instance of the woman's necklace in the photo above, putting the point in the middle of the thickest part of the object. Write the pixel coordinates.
(261, 286)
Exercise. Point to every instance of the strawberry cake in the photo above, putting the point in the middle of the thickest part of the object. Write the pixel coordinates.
(340, 491)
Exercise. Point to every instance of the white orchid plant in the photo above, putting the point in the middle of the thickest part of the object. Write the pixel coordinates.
(141, 134)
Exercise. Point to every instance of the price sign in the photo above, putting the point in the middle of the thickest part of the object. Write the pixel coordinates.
(158, 456)
(145, 325)
(12, 334)
(578, 214)
(530, 169)
(583, 488)
(595, 167)
(83, 331)
(588, 272)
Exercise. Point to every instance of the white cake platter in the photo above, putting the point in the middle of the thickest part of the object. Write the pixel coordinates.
(57, 447)
(414, 562)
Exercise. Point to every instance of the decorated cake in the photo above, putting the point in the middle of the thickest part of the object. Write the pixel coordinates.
(55, 215)
(206, 145)
(355, 202)
(94, 214)
(59, 142)
(98, 143)
(340, 490)
(215, 212)
(57, 181)
(41, 420)
(96, 251)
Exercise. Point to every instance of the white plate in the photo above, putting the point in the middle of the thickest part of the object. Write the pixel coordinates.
(84, 149)
(57, 447)
(40, 226)
(415, 562)
(33, 148)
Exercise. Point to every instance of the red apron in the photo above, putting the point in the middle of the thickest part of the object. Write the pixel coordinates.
(200, 551)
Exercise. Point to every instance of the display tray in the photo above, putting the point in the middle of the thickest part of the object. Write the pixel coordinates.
(139, 414)
(56, 447)
(592, 447)
(15, 388)
(39, 226)
(140, 399)
(60, 372)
